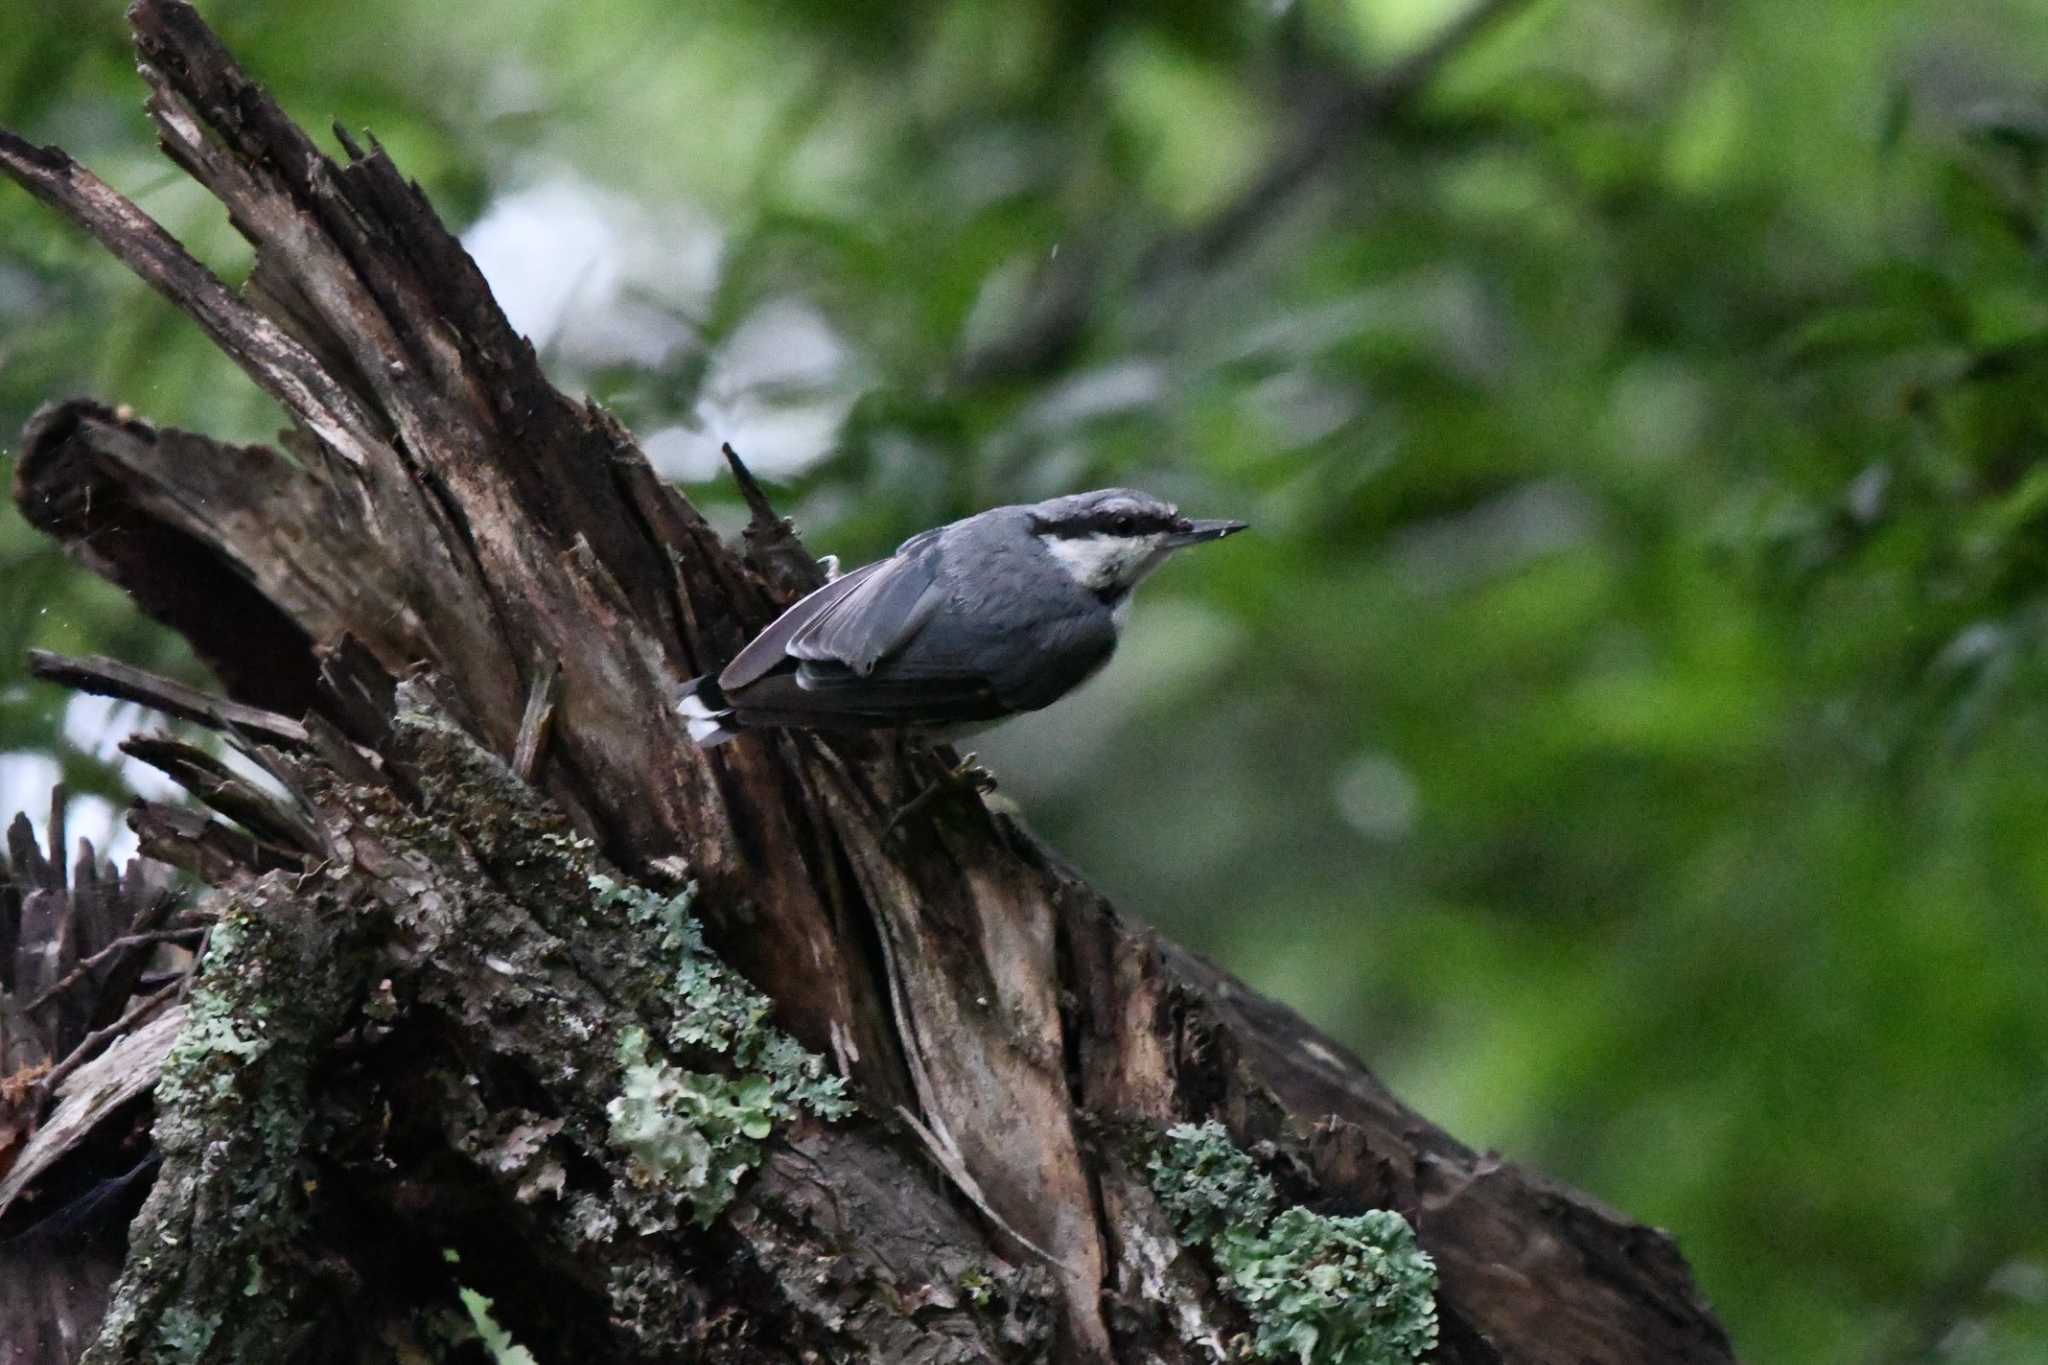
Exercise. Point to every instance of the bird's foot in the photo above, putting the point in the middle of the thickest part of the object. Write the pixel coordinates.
(966, 775)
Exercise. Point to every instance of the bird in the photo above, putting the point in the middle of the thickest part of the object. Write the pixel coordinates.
(964, 626)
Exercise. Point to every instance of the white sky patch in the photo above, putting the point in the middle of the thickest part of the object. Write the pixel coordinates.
(98, 819)
(249, 772)
(90, 724)
(98, 725)
(779, 389)
(785, 343)
(25, 781)
(593, 278)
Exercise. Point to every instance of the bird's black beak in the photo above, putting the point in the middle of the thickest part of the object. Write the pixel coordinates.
(1195, 532)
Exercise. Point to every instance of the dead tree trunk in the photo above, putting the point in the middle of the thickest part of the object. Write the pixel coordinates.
(667, 1054)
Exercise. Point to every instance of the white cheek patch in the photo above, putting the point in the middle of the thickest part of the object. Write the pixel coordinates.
(1102, 562)
(1090, 560)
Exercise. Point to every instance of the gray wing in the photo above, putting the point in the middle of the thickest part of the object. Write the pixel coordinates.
(876, 619)
(769, 650)
(855, 621)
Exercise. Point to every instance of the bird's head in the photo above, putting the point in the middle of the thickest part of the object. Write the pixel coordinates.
(1111, 538)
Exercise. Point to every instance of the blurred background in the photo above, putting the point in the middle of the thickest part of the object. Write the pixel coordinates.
(1626, 726)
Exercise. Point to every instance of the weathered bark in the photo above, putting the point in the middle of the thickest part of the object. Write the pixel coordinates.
(82, 1023)
(434, 982)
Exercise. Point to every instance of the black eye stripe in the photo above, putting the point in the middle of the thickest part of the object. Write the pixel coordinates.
(1110, 523)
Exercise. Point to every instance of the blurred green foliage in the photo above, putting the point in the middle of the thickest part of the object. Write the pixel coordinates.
(1626, 726)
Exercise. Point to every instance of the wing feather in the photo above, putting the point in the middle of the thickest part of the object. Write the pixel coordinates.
(768, 650)
(855, 621)
(873, 621)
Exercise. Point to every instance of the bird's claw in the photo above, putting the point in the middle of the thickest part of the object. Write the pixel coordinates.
(966, 775)
(970, 774)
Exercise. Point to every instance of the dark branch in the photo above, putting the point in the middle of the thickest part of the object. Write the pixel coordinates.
(289, 372)
(105, 677)
(127, 943)
(772, 543)
(217, 785)
(95, 1042)
(215, 853)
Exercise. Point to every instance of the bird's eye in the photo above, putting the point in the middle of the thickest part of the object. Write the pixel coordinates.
(1124, 524)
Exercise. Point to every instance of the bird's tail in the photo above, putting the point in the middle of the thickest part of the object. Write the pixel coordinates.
(704, 710)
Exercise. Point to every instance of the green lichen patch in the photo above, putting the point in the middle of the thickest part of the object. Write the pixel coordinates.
(496, 1340)
(221, 1035)
(213, 1273)
(1320, 1289)
(694, 1134)
(1207, 1185)
(183, 1334)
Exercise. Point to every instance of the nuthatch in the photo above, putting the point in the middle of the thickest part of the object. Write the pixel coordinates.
(965, 625)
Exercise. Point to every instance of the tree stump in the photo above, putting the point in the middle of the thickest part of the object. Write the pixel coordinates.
(519, 1015)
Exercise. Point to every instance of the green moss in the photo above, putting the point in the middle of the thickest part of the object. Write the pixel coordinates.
(1321, 1290)
(694, 1134)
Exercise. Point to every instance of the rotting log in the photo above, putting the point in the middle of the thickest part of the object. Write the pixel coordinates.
(454, 1004)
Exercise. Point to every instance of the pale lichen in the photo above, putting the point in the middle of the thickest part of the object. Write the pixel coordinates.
(214, 1274)
(183, 1334)
(496, 1340)
(695, 1134)
(1320, 1289)
(220, 1036)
